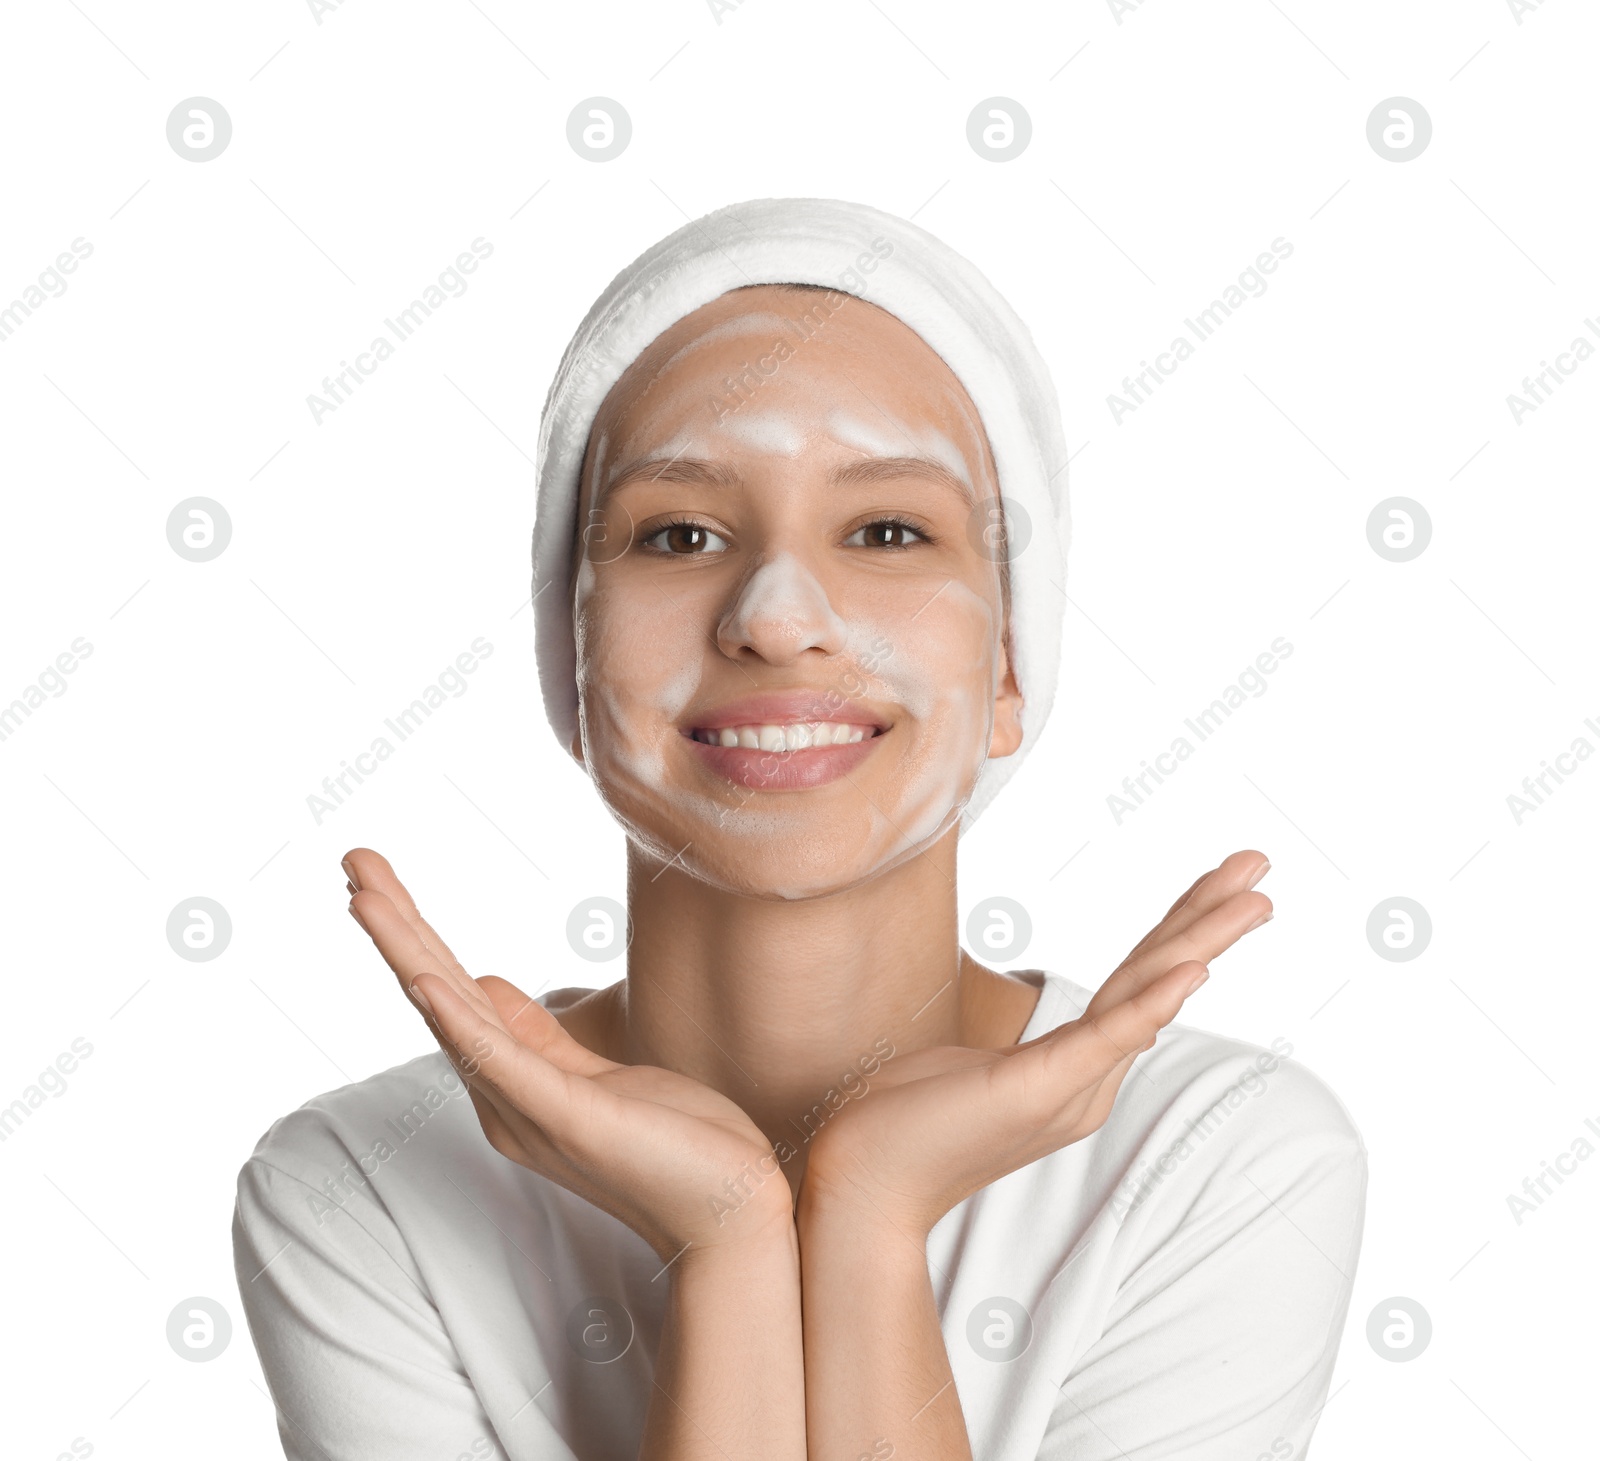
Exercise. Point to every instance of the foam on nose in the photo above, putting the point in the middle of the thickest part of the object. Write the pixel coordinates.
(783, 596)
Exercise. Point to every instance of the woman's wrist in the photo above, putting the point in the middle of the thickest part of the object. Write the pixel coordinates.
(763, 1271)
(754, 1236)
(838, 1191)
(829, 1209)
(877, 1371)
(730, 1368)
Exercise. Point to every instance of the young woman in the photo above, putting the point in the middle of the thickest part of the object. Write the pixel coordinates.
(810, 1181)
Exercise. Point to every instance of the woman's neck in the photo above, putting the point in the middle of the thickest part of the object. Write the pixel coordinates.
(776, 1004)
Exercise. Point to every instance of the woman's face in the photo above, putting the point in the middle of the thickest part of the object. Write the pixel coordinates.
(783, 513)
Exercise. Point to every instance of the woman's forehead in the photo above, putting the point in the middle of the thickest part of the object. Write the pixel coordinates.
(762, 369)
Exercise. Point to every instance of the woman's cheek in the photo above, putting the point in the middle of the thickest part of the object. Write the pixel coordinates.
(952, 711)
(940, 779)
(633, 685)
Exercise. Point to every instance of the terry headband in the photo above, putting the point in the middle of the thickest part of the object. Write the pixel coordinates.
(889, 262)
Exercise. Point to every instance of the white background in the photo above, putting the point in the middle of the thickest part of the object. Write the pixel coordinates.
(1170, 146)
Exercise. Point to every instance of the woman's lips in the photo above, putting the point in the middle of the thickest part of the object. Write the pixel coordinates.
(784, 770)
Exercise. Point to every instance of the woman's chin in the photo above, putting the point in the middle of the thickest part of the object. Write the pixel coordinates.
(782, 859)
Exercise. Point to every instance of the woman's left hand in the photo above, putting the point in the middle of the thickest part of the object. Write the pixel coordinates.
(939, 1124)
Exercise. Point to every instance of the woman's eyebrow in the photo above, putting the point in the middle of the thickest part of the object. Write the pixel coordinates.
(720, 474)
(884, 469)
(672, 469)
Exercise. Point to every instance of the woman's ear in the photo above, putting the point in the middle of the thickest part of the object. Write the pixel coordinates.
(1007, 737)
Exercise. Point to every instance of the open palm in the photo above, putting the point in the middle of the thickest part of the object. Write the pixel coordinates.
(939, 1124)
(653, 1148)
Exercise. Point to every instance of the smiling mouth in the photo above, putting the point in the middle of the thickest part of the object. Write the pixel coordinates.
(791, 736)
(790, 756)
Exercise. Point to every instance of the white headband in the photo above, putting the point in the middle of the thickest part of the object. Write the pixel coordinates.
(889, 262)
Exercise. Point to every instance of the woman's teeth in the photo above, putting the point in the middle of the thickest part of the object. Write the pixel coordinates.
(785, 737)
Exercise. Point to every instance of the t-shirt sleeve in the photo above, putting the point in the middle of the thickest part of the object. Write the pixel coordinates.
(1239, 1262)
(357, 1358)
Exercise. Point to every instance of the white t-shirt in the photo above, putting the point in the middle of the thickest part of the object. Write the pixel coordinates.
(1173, 1286)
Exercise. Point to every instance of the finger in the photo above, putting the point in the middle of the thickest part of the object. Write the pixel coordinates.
(1185, 896)
(1103, 1097)
(506, 1129)
(496, 1128)
(1202, 941)
(1209, 935)
(1083, 1104)
(507, 1071)
(1214, 914)
(371, 870)
(1132, 1024)
(404, 952)
(538, 1029)
(1084, 1051)
(1236, 873)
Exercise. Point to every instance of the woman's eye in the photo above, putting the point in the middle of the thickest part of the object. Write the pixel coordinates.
(885, 533)
(685, 540)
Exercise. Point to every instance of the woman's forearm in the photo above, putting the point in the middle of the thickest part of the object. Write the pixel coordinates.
(877, 1378)
(730, 1377)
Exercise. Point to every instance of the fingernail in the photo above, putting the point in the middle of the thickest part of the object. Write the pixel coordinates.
(350, 908)
(1265, 918)
(1199, 979)
(350, 873)
(1265, 868)
(420, 998)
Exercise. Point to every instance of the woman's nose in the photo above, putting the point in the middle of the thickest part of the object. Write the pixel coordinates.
(780, 611)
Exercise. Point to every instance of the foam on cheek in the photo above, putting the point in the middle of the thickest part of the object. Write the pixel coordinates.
(662, 705)
(620, 740)
(627, 734)
(617, 751)
(953, 718)
(631, 707)
(674, 696)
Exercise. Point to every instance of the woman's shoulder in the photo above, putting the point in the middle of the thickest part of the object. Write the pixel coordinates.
(351, 1122)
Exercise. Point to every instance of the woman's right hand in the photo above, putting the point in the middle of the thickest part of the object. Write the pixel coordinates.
(655, 1149)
